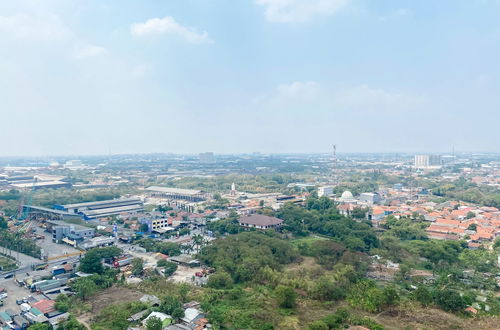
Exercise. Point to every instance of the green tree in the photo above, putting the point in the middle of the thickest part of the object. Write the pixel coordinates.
(391, 296)
(170, 267)
(286, 296)
(3, 223)
(367, 296)
(472, 226)
(71, 324)
(91, 262)
(84, 287)
(318, 325)
(62, 303)
(173, 306)
(137, 266)
(359, 213)
(422, 295)
(154, 323)
(220, 280)
(450, 300)
(496, 244)
(39, 326)
(144, 228)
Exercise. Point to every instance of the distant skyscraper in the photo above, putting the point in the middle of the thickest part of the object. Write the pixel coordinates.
(421, 161)
(435, 160)
(233, 189)
(424, 161)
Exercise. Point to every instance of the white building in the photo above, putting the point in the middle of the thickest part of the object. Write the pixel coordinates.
(426, 161)
(421, 161)
(325, 191)
(370, 198)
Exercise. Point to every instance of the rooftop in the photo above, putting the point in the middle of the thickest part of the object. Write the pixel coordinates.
(260, 220)
(102, 203)
(170, 190)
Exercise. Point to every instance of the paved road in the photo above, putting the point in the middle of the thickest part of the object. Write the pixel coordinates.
(27, 268)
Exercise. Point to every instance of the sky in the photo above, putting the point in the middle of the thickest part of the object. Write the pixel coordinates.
(83, 77)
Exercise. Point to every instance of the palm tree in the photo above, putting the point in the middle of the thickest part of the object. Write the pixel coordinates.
(198, 241)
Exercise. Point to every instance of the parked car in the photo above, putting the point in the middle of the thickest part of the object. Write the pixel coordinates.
(9, 276)
(19, 301)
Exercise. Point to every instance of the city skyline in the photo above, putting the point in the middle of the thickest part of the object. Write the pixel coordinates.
(119, 77)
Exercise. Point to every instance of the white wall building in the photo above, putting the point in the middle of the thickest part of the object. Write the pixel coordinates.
(325, 191)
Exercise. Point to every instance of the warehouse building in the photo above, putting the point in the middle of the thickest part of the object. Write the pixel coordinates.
(66, 232)
(189, 195)
(102, 209)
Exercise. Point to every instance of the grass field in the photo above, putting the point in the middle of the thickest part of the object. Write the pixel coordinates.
(7, 264)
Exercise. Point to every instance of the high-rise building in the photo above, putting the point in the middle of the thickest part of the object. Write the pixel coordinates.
(435, 160)
(424, 161)
(421, 161)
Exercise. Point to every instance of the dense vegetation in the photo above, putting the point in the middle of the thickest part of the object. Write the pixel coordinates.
(462, 190)
(15, 242)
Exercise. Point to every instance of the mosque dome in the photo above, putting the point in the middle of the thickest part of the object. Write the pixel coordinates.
(346, 196)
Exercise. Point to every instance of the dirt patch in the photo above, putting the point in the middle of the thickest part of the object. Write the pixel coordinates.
(184, 274)
(431, 318)
(112, 296)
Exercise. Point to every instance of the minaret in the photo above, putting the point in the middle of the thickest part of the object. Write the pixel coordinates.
(334, 165)
(233, 189)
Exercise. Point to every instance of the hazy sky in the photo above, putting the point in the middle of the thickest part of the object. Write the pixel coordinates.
(185, 76)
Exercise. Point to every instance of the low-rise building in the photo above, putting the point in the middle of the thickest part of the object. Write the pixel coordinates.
(260, 221)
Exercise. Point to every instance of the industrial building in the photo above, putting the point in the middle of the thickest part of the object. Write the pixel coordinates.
(34, 182)
(43, 213)
(178, 193)
(102, 209)
(69, 233)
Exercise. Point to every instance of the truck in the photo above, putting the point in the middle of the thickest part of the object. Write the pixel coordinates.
(40, 266)
(122, 262)
(57, 270)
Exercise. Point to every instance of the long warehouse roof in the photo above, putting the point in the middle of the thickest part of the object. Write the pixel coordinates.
(111, 202)
(170, 190)
(112, 210)
(44, 209)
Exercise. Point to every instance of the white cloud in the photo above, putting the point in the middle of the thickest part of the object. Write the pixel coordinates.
(360, 99)
(365, 98)
(299, 10)
(168, 25)
(27, 27)
(298, 91)
(82, 52)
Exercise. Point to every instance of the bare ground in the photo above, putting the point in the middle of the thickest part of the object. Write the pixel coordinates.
(112, 296)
